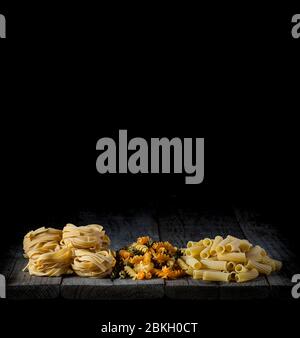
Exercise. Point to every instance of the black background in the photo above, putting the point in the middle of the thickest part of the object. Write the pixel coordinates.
(74, 74)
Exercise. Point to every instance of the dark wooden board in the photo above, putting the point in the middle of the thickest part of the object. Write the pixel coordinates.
(122, 229)
(177, 226)
(20, 285)
(275, 244)
(186, 225)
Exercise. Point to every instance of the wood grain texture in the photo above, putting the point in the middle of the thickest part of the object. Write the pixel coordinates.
(20, 285)
(169, 223)
(122, 229)
(186, 225)
(275, 244)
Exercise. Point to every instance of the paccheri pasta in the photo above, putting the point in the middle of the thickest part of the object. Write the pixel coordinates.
(226, 259)
(145, 259)
(82, 250)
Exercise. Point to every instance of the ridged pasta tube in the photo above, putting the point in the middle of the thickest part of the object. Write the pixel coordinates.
(214, 265)
(238, 257)
(217, 276)
(246, 276)
(260, 267)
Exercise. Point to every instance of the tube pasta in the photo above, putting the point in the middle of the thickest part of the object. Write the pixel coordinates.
(238, 257)
(207, 242)
(206, 252)
(192, 262)
(228, 259)
(216, 241)
(198, 274)
(240, 268)
(230, 266)
(221, 247)
(191, 243)
(214, 265)
(260, 267)
(246, 276)
(216, 276)
(194, 250)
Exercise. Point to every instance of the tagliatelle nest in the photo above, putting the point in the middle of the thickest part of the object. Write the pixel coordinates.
(41, 241)
(83, 250)
(90, 237)
(89, 264)
(145, 259)
(51, 264)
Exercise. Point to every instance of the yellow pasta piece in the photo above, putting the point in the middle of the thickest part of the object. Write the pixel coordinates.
(240, 268)
(182, 264)
(216, 241)
(220, 248)
(246, 276)
(233, 246)
(191, 243)
(207, 242)
(274, 263)
(214, 265)
(245, 245)
(41, 241)
(230, 266)
(198, 274)
(51, 264)
(90, 237)
(191, 261)
(130, 272)
(238, 257)
(260, 267)
(204, 254)
(90, 264)
(217, 276)
(194, 250)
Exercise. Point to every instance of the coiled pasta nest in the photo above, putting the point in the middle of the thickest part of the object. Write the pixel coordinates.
(90, 264)
(41, 241)
(51, 264)
(90, 237)
(83, 250)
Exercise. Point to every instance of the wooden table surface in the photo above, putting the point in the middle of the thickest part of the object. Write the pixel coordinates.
(177, 226)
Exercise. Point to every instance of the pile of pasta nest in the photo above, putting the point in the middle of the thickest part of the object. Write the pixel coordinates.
(84, 250)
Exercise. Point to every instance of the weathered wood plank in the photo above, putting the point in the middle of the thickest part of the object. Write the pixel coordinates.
(190, 225)
(20, 285)
(273, 242)
(122, 229)
(173, 229)
(223, 222)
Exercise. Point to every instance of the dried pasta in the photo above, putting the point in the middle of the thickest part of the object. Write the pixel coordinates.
(83, 250)
(226, 259)
(145, 259)
(90, 237)
(90, 264)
